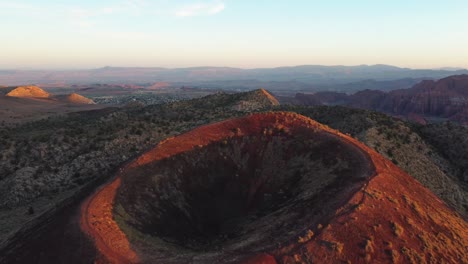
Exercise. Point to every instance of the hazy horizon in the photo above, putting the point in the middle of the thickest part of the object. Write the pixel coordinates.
(447, 68)
(226, 33)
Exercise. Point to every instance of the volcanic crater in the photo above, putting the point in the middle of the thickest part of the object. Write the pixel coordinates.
(226, 191)
(244, 192)
(269, 188)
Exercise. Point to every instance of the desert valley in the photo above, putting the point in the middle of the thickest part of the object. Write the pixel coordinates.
(233, 132)
(132, 173)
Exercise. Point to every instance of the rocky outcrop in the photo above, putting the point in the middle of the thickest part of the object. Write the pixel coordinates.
(445, 98)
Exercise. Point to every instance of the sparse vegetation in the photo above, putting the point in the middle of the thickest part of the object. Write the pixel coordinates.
(44, 162)
(69, 152)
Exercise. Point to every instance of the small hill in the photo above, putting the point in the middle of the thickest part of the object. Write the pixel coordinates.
(254, 100)
(36, 92)
(238, 102)
(158, 85)
(75, 98)
(28, 91)
(263, 94)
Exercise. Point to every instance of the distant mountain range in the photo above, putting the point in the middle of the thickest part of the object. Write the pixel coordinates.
(446, 98)
(298, 78)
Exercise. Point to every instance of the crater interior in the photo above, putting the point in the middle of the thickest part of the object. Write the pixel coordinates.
(246, 193)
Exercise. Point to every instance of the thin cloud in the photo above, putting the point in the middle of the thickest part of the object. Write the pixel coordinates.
(137, 3)
(21, 6)
(200, 9)
(9, 8)
(82, 18)
(135, 7)
(86, 17)
(109, 10)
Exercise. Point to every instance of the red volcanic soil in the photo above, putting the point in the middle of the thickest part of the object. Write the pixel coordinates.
(392, 219)
(374, 212)
(97, 221)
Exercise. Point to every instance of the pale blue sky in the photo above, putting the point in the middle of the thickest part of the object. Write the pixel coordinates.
(237, 33)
